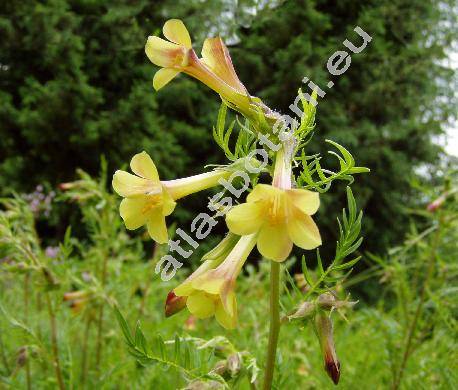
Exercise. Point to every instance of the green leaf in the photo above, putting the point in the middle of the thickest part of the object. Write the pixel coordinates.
(124, 326)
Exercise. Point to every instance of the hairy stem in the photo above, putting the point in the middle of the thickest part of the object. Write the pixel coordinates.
(416, 317)
(274, 324)
(54, 343)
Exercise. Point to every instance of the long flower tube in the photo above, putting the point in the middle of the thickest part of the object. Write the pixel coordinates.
(148, 200)
(215, 68)
(211, 291)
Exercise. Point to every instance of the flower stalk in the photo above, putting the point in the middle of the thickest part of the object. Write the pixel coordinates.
(274, 328)
(281, 179)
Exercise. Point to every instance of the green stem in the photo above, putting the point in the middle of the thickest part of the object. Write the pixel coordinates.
(99, 344)
(84, 351)
(26, 321)
(54, 344)
(416, 317)
(274, 324)
(4, 357)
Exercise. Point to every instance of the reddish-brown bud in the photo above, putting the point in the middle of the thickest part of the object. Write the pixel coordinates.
(433, 206)
(66, 186)
(324, 331)
(68, 296)
(174, 304)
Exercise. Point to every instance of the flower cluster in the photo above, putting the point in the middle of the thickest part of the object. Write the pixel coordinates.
(39, 201)
(273, 218)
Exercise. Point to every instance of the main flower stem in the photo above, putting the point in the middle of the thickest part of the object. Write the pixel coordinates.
(274, 324)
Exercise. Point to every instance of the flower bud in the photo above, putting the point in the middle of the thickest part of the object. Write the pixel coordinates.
(304, 311)
(72, 295)
(434, 205)
(234, 364)
(220, 368)
(66, 186)
(328, 301)
(174, 304)
(324, 331)
(22, 355)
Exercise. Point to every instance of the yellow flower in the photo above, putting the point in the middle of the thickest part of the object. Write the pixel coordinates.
(280, 216)
(211, 291)
(215, 68)
(148, 200)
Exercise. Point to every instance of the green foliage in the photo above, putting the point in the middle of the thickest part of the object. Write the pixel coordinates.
(26, 342)
(346, 171)
(349, 241)
(75, 84)
(245, 142)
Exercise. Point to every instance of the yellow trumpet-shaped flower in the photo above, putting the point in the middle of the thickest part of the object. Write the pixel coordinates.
(280, 216)
(211, 291)
(215, 68)
(147, 200)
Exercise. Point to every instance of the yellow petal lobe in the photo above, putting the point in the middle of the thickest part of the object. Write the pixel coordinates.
(175, 30)
(274, 242)
(304, 232)
(157, 227)
(142, 165)
(304, 200)
(245, 218)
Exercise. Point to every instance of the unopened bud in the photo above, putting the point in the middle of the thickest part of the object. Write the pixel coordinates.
(324, 331)
(77, 305)
(328, 301)
(22, 356)
(304, 311)
(434, 205)
(68, 296)
(174, 304)
(66, 186)
(220, 368)
(234, 364)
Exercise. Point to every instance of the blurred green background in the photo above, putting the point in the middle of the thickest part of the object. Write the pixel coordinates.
(75, 84)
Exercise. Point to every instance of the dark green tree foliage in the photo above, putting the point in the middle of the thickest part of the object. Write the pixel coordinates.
(75, 83)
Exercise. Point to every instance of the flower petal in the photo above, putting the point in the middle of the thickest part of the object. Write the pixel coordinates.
(131, 210)
(303, 231)
(245, 218)
(157, 227)
(201, 305)
(274, 242)
(263, 192)
(208, 283)
(142, 165)
(126, 184)
(175, 30)
(168, 204)
(217, 58)
(224, 318)
(229, 301)
(306, 201)
(163, 53)
(163, 76)
(184, 289)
